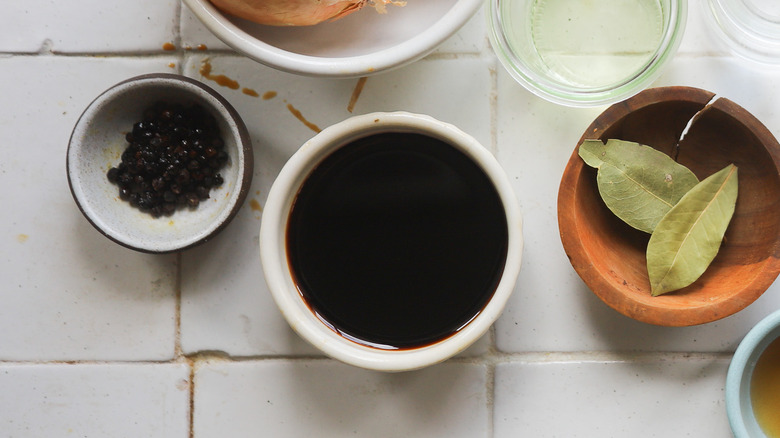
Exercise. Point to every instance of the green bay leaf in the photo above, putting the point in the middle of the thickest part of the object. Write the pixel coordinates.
(688, 238)
(637, 183)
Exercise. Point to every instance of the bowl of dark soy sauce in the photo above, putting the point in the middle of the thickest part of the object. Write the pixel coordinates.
(391, 241)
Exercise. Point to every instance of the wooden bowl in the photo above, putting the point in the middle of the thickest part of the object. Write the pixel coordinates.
(610, 256)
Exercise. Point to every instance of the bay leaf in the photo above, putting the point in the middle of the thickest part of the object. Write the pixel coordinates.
(637, 183)
(688, 238)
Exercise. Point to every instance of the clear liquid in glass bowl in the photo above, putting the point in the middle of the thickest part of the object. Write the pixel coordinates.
(586, 52)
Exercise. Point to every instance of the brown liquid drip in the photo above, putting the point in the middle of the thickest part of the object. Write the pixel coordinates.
(205, 71)
(298, 115)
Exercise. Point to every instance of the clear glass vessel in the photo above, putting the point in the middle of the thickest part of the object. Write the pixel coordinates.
(586, 53)
(751, 28)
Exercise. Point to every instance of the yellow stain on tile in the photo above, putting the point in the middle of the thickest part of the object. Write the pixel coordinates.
(254, 205)
(21, 238)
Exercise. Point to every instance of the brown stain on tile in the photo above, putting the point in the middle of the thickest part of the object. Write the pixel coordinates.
(205, 71)
(255, 205)
(168, 46)
(268, 95)
(250, 92)
(300, 117)
(172, 65)
(202, 47)
(356, 93)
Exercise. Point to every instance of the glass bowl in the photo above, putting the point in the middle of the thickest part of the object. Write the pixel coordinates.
(585, 53)
(750, 28)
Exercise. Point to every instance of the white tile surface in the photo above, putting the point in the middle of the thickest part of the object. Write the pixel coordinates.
(68, 292)
(88, 25)
(95, 400)
(472, 38)
(325, 399)
(96, 340)
(638, 398)
(194, 33)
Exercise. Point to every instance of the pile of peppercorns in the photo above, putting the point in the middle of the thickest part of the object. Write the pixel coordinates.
(172, 160)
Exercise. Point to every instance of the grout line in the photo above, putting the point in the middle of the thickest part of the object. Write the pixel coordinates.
(177, 350)
(452, 55)
(177, 25)
(191, 413)
(493, 107)
(490, 378)
(491, 358)
(490, 394)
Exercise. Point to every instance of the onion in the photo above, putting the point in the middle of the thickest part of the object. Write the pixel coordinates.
(295, 12)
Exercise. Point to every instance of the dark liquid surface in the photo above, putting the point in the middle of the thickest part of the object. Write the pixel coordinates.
(397, 240)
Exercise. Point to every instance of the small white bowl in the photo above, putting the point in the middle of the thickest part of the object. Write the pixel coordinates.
(273, 245)
(360, 44)
(96, 145)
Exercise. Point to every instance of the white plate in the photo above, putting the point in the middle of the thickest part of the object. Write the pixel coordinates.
(360, 44)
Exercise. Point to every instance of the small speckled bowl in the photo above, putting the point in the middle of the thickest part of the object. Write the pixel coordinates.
(738, 401)
(96, 145)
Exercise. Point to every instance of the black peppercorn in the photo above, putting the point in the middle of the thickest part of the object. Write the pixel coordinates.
(171, 159)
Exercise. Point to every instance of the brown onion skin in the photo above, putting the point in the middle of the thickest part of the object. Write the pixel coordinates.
(289, 12)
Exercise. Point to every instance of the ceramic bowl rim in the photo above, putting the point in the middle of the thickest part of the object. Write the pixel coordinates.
(342, 67)
(740, 371)
(245, 158)
(274, 260)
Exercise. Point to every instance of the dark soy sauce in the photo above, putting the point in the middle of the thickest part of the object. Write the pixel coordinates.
(397, 240)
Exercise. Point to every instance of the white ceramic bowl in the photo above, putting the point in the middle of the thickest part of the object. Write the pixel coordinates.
(96, 145)
(274, 258)
(738, 400)
(360, 44)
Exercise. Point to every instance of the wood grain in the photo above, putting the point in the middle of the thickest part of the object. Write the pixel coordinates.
(610, 256)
